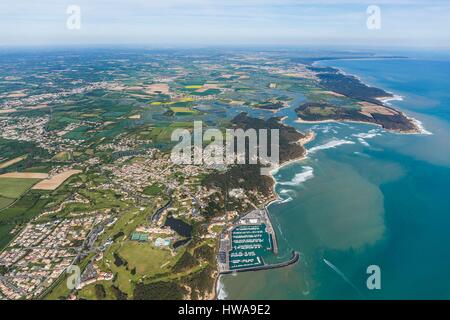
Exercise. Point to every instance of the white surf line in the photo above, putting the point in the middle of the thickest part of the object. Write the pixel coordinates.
(421, 127)
(220, 289)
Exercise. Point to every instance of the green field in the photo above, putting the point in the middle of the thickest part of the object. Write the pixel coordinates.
(153, 190)
(13, 188)
(4, 202)
(160, 134)
(26, 208)
(182, 110)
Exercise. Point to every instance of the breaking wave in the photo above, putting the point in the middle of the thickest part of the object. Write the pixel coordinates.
(299, 178)
(367, 135)
(387, 100)
(363, 142)
(290, 195)
(330, 144)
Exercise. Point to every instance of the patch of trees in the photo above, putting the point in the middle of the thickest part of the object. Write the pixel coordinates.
(351, 87)
(3, 270)
(269, 105)
(206, 253)
(213, 208)
(100, 292)
(245, 176)
(158, 291)
(323, 69)
(288, 136)
(119, 294)
(201, 282)
(185, 262)
(248, 176)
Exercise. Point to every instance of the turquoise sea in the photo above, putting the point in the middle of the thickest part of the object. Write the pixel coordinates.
(366, 197)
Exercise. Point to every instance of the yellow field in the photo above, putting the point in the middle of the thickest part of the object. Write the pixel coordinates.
(7, 110)
(54, 182)
(62, 156)
(89, 115)
(185, 100)
(182, 110)
(25, 175)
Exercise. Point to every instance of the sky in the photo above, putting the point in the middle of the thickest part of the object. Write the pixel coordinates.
(408, 23)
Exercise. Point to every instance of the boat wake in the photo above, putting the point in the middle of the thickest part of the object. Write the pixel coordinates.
(342, 275)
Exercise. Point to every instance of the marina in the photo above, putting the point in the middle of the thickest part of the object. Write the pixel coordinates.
(245, 245)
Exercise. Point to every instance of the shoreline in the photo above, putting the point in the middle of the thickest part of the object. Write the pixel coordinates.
(310, 136)
(384, 100)
(419, 129)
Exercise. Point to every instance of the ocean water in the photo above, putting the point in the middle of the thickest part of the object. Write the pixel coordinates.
(366, 197)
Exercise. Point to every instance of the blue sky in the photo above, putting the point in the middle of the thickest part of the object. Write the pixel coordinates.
(416, 23)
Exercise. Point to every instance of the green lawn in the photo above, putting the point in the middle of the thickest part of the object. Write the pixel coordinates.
(144, 257)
